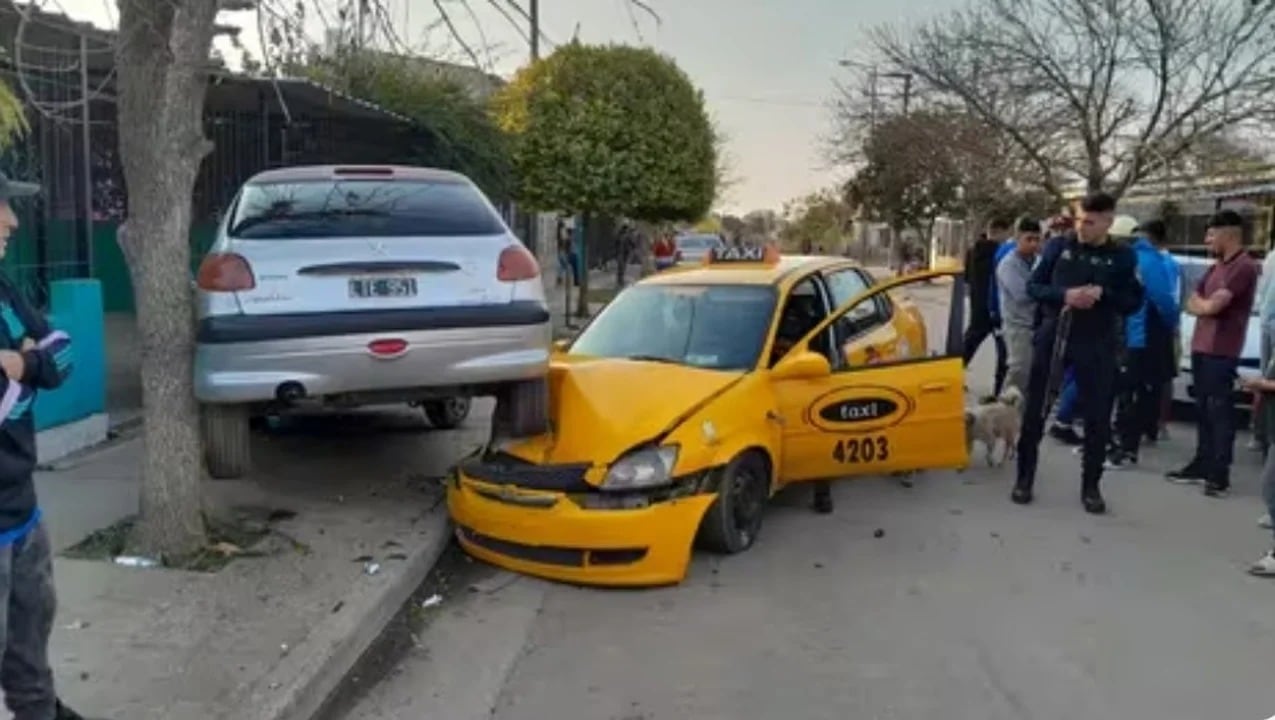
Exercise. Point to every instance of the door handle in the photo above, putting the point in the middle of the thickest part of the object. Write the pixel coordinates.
(935, 387)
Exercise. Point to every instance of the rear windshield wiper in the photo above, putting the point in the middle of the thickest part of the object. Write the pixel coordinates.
(309, 215)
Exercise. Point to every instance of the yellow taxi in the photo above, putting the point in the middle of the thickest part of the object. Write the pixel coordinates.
(699, 393)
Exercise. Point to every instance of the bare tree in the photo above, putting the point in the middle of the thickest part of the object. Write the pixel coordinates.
(1104, 91)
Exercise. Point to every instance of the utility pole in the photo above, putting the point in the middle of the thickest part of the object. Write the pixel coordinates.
(872, 94)
(907, 92)
(533, 13)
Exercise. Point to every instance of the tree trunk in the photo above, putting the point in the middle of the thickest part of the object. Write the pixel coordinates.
(162, 71)
(643, 247)
(582, 297)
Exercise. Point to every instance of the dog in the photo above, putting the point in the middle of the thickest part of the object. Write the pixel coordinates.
(999, 420)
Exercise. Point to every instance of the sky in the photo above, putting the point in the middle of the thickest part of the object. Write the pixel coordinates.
(766, 67)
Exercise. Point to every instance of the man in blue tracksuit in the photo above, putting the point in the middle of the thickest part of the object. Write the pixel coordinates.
(32, 356)
(1149, 335)
(1095, 279)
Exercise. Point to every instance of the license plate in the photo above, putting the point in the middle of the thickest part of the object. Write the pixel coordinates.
(382, 287)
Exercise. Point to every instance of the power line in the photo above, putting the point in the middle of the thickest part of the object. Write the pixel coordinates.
(778, 101)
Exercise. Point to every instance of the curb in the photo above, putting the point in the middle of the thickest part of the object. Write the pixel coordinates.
(299, 688)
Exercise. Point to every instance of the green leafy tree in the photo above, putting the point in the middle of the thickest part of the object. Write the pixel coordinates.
(821, 219)
(462, 135)
(610, 130)
(13, 118)
(913, 173)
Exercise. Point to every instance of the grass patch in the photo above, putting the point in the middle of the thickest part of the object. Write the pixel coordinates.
(228, 539)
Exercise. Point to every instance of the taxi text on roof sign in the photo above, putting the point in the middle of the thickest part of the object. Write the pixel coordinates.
(730, 254)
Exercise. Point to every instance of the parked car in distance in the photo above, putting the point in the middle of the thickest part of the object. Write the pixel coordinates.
(1193, 268)
(348, 286)
(692, 248)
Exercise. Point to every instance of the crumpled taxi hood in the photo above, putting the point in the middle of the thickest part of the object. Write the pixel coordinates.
(601, 407)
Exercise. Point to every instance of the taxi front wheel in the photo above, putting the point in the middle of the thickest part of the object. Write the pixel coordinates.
(733, 520)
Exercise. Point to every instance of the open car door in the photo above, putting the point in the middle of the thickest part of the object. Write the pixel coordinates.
(867, 410)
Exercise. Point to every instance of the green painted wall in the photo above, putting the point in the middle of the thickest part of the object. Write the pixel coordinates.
(110, 268)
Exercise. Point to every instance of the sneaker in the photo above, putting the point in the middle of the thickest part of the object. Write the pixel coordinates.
(1093, 502)
(1189, 475)
(1120, 460)
(1265, 521)
(1264, 567)
(1217, 490)
(1065, 434)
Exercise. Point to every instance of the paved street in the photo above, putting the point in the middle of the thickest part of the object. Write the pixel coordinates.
(965, 607)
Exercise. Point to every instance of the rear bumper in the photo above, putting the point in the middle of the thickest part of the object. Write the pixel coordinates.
(224, 329)
(549, 535)
(332, 364)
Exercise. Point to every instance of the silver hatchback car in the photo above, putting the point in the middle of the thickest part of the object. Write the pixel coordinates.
(348, 286)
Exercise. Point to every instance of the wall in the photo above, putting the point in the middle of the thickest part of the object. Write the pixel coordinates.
(109, 265)
(76, 308)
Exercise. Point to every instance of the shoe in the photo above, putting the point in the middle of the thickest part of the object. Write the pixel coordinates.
(1065, 434)
(1022, 494)
(1265, 521)
(1189, 475)
(1217, 490)
(1120, 460)
(1264, 567)
(62, 712)
(1093, 502)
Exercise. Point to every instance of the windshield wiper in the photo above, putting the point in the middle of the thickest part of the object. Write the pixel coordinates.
(309, 215)
(653, 358)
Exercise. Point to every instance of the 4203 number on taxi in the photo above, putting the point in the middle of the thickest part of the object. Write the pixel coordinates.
(862, 450)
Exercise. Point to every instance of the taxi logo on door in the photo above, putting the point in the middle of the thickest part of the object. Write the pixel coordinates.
(859, 409)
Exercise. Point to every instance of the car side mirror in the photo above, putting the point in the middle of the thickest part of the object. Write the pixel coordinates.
(802, 365)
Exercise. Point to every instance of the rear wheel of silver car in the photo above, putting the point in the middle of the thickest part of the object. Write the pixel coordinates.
(447, 413)
(734, 519)
(226, 439)
(522, 409)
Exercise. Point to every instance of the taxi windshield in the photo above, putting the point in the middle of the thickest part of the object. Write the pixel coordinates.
(719, 327)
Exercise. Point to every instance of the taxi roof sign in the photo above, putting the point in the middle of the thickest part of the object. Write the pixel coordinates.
(742, 254)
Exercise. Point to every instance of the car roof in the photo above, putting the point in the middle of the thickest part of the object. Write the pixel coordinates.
(788, 267)
(306, 173)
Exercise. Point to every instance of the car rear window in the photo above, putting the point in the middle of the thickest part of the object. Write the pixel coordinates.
(362, 208)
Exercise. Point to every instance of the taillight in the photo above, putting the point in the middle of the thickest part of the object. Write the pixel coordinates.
(225, 272)
(517, 263)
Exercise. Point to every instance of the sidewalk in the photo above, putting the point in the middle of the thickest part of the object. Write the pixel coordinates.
(267, 637)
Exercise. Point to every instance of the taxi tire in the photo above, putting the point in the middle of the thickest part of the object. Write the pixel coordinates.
(522, 409)
(448, 413)
(227, 437)
(719, 531)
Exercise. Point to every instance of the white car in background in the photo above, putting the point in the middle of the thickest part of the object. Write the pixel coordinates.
(1193, 268)
(693, 247)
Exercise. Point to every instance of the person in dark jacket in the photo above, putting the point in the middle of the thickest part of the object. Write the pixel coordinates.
(1095, 281)
(1149, 344)
(980, 268)
(33, 356)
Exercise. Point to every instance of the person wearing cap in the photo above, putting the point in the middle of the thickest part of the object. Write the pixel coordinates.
(33, 356)
(1149, 363)
(1221, 304)
(1094, 279)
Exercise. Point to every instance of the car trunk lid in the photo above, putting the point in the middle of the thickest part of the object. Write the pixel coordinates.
(337, 274)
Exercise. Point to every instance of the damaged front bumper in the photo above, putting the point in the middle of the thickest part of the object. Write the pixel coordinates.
(547, 521)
